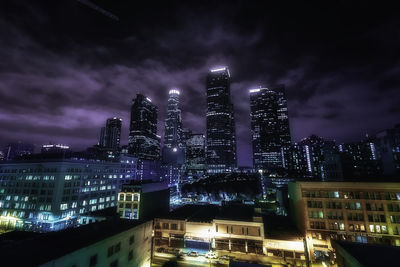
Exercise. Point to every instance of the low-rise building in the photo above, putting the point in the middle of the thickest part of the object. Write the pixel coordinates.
(143, 200)
(230, 230)
(108, 243)
(365, 212)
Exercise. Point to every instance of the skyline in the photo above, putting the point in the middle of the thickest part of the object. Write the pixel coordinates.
(340, 85)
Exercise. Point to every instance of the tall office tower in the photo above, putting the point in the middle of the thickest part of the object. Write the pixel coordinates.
(110, 135)
(221, 134)
(144, 142)
(266, 141)
(173, 121)
(283, 123)
(283, 116)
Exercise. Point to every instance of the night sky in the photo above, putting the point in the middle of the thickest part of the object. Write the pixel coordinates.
(65, 68)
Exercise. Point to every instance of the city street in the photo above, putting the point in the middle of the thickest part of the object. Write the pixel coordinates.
(187, 261)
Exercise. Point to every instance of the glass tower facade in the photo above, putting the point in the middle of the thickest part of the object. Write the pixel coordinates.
(144, 142)
(110, 135)
(173, 121)
(270, 127)
(221, 135)
(267, 152)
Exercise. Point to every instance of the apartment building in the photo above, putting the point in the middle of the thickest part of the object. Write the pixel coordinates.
(364, 212)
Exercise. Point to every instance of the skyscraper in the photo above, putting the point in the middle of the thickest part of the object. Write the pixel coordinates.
(110, 135)
(267, 152)
(283, 117)
(270, 127)
(173, 121)
(195, 157)
(221, 134)
(144, 142)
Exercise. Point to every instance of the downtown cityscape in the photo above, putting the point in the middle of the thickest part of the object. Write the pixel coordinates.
(127, 141)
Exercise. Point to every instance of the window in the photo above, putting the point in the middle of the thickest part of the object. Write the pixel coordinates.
(118, 247)
(131, 239)
(93, 260)
(114, 263)
(110, 251)
(130, 255)
(174, 226)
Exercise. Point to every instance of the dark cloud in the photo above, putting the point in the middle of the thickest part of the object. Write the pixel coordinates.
(65, 68)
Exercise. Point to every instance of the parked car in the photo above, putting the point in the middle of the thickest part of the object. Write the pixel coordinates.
(193, 254)
(211, 255)
(226, 257)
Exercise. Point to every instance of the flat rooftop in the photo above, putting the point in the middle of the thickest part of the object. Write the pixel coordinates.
(207, 213)
(32, 249)
(371, 255)
(280, 227)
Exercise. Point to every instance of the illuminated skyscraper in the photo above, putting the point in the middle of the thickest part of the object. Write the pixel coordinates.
(173, 121)
(283, 117)
(110, 135)
(144, 142)
(270, 127)
(221, 135)
(267, 152)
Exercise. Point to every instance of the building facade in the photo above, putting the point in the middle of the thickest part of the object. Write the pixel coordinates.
(270, 128)
(49, 195)
(387, 144)
(364, 212)
(360, 160)
(267, 149)
(143, 201)
(221, 134)
(195, 166)
(144, 143)
(110, 135)
(173, 121)
(107, 243)
(204, 228)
